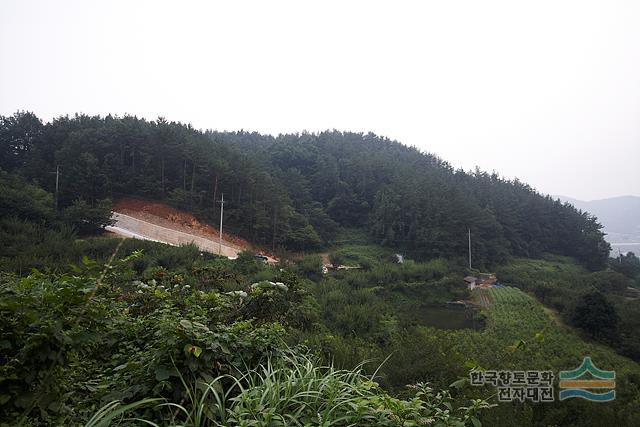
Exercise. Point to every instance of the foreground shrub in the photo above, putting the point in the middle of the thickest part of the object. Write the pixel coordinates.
(294, 390)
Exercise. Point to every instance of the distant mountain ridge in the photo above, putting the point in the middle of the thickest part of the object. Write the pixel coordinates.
(617, 214)
(620, 217)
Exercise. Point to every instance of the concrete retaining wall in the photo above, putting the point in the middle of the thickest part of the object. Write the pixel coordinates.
(132, 227)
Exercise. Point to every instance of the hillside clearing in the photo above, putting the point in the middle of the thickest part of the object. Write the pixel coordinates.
(158, 222)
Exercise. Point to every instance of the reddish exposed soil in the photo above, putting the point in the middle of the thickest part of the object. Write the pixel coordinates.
(166, 216)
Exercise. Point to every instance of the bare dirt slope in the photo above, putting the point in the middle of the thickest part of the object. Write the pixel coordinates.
(155, 221)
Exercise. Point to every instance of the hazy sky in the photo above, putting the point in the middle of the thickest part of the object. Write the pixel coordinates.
(548, 92)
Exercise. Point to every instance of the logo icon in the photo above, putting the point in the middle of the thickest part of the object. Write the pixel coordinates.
(572, 386)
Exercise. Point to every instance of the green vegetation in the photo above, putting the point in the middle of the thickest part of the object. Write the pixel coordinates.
(71, 340)
(520, 334)
(296, 391)
(600, 303)
(101, 331)
(31, 229)
(295, 191)
(240, 342)
(383, 318)
(184, 339)
(628, 265)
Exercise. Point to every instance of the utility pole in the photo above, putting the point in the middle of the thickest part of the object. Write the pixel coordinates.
(619, 256)
(221, 214)
(469, 248)
(57, 181)
(57, 172)
(275, 221)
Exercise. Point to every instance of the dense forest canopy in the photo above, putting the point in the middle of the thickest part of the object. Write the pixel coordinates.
(293, 191)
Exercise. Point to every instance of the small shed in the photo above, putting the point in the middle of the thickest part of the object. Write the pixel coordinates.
(471, 282)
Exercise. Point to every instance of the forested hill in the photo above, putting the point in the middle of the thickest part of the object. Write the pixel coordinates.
(293, 191)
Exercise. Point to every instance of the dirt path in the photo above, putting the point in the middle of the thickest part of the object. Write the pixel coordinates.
(325, 258)
(483, 297)
(555, 316)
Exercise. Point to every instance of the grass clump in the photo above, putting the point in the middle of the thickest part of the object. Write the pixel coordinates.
(296, 390)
